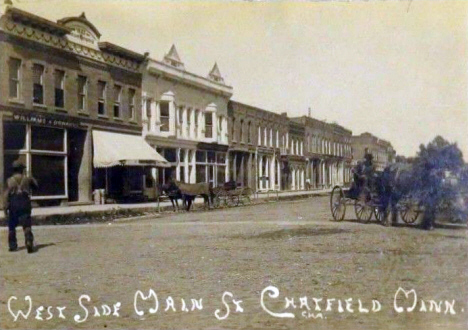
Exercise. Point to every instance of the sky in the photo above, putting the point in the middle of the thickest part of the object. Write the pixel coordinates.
(396, 69)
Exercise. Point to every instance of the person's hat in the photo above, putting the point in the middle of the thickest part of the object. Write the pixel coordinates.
(17, 164)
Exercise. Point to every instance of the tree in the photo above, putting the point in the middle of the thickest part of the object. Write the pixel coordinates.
(432, 165)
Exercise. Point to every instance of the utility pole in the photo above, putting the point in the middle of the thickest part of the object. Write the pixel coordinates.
(309, 113)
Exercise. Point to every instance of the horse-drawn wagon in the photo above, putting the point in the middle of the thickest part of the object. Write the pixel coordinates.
(229, 195)
(379, 195)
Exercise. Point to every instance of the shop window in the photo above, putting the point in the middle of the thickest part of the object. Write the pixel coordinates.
(8, 163)
(46, 138)
(221, 158)
(211, 157)
(49, 171)
(117, 99)
(149, 182)
(170, 155)
(200, 173)
(102, 87)
(221, 177)
(182, 173)
(201, 157)
(208, 125)
(38, 84)
(14, 137)
(59, 81)
(164, 116)
(82, 93)
(131, 103)
(15, 78)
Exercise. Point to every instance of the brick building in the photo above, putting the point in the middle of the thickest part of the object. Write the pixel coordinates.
(185, 118)
(381, 150)
(66, 98)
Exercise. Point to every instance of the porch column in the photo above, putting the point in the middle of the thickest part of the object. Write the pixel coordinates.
(278, 173)
(260, 173)
(186, 165)
(178, 164)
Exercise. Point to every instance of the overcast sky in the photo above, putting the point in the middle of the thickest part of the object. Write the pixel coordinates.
(393, 68)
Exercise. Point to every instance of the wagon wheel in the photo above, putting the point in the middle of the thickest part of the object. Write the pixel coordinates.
(409, 212)
(362, 208)
(232, 200)
(381, 214)
(337, 204)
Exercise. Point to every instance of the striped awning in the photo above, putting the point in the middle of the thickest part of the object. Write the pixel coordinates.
(111, 149)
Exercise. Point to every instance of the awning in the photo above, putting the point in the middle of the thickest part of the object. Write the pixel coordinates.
(111, 149)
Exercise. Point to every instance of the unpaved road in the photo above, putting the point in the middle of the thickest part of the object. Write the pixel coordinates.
(292, 246)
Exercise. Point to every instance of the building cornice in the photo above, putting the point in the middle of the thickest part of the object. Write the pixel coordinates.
(160, 69)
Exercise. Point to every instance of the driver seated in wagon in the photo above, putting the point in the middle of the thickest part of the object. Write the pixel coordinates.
(363, 176)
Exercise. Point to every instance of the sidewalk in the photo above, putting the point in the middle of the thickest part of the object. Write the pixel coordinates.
(153, 206)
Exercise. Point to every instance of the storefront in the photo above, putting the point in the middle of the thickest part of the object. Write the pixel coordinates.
(54, 153)
(123, 165)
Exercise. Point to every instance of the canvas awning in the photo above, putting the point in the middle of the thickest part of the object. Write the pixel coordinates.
(111, 149)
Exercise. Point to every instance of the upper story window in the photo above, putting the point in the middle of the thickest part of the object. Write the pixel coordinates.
(164, 116)
(117, 100)
(259, 133)
(148, 112)
(15, 77)
(131, 103)
(265, 137)
(208, 125)
(38, 84)
(249, 132)
(102, 87)
(59, 81)
(82, 92)
(241, 131)
(233, 129)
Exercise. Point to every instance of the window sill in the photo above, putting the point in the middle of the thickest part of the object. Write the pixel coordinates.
(133, 121)
(118, 119)
(40, 106)
(83, 113)
(16, 101)
(61, 110)
(103, 117)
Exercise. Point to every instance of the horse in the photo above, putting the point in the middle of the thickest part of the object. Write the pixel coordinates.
(173, 192)
(191, 190)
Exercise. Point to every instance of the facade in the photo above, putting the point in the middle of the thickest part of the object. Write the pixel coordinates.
(185, 119)
(59, 85)
(293, 158)
(327, 151)
(256, 139)
(381, 150)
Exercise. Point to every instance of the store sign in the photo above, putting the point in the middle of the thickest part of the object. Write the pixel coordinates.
(44, 120)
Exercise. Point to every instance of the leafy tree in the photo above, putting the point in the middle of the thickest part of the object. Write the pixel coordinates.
(432, 165)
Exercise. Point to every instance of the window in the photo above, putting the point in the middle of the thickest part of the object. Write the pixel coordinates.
(102, 87)
(249, 133)
(241, 131)
(15, 77)
(208, 125)
(233, 129)
(82, 93)
(189, 122)
(148, 112)
(38, 87)
(117, 98)
(59, 82)
(45, 156)
(131, 103)
(164, 116)
(196, 122)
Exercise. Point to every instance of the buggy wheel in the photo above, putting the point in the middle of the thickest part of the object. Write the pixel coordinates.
(232, 200)
(363, 210)
(380, 214)
(409, 212)
(338, 204)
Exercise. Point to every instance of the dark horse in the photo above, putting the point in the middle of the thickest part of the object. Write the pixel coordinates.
(397, 182)
(173, 192)
(191, 190)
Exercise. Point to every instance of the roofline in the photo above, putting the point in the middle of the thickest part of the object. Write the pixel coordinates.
(15, 13)
(118, 50)
(190, 77)
(82, 20)
(257, 108)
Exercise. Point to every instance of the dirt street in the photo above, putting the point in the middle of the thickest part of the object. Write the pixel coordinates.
(293, 246)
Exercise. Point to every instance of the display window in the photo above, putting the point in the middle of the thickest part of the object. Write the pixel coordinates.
(44, 152)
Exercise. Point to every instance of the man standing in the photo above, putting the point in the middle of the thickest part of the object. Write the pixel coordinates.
(18, 206)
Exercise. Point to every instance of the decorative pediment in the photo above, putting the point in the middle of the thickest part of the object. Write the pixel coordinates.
(83, 31)
(215, 74)
(172, 58)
